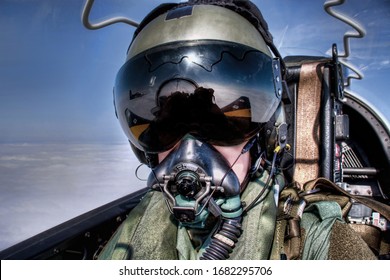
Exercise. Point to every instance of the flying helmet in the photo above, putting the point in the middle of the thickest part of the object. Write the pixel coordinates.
(205, 68)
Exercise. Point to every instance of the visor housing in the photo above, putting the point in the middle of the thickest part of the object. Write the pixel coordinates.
(214, 89)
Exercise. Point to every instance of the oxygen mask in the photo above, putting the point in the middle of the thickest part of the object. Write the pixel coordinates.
(197, 180)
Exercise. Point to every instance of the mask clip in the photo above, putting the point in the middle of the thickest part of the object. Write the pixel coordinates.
(187, 185)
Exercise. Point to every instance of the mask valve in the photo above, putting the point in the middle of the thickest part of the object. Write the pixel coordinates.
(187, 183)
(189, 186)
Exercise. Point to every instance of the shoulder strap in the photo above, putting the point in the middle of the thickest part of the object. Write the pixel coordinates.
(307, 152)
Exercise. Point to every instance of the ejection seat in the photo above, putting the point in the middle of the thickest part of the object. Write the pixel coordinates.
(335, 135)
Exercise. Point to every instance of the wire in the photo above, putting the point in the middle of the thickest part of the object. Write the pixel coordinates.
(357, 32)
(136, 173)
(93, 26)
(267, 184)
(243, 151)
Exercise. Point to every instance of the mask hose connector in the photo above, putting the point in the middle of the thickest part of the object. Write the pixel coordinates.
(223, 242)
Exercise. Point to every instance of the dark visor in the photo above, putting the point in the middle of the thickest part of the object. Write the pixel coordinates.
(221, 92)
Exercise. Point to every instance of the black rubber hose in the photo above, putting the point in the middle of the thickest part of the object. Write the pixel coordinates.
(223, 242)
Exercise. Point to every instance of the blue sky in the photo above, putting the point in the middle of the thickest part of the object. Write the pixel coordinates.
(57, 122)
(56, 76)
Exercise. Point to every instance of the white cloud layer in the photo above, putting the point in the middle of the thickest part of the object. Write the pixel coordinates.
(42, 185)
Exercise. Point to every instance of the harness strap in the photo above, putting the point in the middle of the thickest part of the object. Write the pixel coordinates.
(325, 184)
(288, 234)
(308, 122)
(307, 235)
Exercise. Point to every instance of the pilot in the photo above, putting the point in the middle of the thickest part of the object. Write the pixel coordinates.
(201, 83)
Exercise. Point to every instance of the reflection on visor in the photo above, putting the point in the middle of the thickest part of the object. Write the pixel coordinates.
(164, 93)
(197, 114)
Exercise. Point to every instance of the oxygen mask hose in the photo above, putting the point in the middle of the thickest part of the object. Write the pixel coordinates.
(223, 242)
